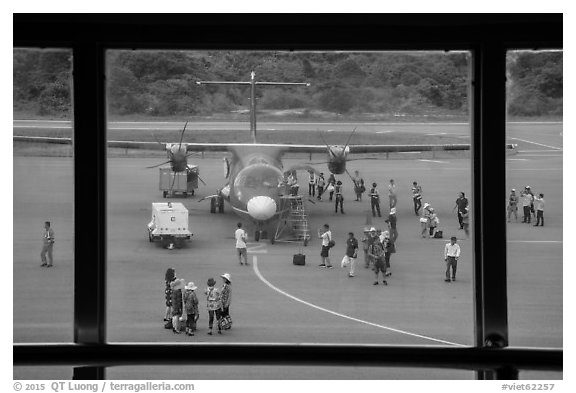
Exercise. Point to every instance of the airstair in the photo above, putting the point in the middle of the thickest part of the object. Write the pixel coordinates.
(293, 222)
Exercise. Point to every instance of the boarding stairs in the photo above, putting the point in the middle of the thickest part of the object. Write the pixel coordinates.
(293, 222)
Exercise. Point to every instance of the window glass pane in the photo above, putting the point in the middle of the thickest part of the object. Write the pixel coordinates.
(283, 372)
(43, 190)
(394, 99)
(534, 90)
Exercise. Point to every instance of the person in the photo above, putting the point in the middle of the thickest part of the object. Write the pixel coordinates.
(169, 277)
(461, 204)
(320, 182)
(339, 197)
(351, 254)
(47, 246)
(512, 206)
(389, 249)
(424, 219)
(226, 294)
(366, 242)
(177, 287)
(392, 194)
(532, 210)
(326, 237)
(331, 186)
(191, 308)
(213, 304)
(466, 222)
(526, 198)
(417, 197)
(451, 255)
(311, 183)
(241, 237)
(539, 204)
(433, 221)
(359, 188)
(391, 221)
(293, 183)
(376, 252)
(375, 200)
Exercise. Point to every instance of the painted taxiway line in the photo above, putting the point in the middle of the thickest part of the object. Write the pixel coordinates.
(536, 143)
(439, 162)
(534, 241)
(257, 271)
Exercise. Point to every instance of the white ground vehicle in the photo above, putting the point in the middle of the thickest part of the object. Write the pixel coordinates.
(169, 224)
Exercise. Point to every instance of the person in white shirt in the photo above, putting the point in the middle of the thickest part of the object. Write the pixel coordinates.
(527, 201)
(539, 204)
(451, 255)
(241, 237)
(311, 183)
(326, 237)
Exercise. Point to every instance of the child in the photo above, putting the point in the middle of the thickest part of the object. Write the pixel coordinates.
(213, 304)
(191, 307)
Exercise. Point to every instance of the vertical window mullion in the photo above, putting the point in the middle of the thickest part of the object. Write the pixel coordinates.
(90, 192)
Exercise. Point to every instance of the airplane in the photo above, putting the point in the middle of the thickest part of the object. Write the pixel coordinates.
(254, 173)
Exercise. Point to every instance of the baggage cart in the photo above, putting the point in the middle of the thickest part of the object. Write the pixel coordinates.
(184, 183)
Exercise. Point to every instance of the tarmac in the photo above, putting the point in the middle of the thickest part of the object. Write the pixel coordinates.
(273, 300)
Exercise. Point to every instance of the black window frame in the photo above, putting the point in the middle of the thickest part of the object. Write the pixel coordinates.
(487, 36)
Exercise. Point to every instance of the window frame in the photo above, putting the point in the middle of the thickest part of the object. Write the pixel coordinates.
(487, 37)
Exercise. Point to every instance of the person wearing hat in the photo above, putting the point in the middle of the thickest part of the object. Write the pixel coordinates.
(213, 304)
(339, 197)
(375, 200)
(527, 201)
(191, 308)
(226, 295)
(424, 219)
(451, 255)
(417, 197)
(433, 221)
(461, 204)
(512, 206)
(177, 287)
(376, 252)
(320, 182)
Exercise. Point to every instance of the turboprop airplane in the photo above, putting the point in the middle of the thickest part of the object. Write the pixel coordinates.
(254, 172)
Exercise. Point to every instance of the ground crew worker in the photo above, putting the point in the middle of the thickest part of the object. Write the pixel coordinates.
(417, 197)
(339, 197)
(311, 183)
(320, 182)
(375, 200)
(512, 207)
(539, 204)
(47, 245)
(451, 255)
(526, 198)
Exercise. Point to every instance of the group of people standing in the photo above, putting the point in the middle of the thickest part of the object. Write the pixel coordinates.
(532, 205)
(182, 310)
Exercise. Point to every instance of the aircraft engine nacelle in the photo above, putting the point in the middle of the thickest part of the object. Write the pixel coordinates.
(337, 159)
(177, 155)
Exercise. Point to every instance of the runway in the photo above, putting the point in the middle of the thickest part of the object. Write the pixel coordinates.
(417, 308)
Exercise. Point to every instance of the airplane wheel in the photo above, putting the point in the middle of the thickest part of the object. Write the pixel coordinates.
(192, 193)
(212, 205)
(272, 240)
(149, 237)
(220, 205)
(164, 194)
(257, 236)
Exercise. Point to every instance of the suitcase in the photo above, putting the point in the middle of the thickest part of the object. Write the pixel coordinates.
(299, 259)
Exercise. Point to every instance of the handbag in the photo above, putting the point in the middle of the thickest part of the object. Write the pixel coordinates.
(330, 188)
(225, 322)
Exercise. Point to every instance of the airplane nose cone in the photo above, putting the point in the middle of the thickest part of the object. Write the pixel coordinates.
(261, 207)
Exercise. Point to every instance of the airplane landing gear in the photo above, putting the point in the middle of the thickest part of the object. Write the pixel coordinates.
(217, 203)
(260, 234)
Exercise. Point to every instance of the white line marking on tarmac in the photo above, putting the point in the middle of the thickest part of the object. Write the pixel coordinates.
(536, 143)
(255, 267)
(537, 151)
(383, 132)
(439, 162)
(534, 241)
(517, 159)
